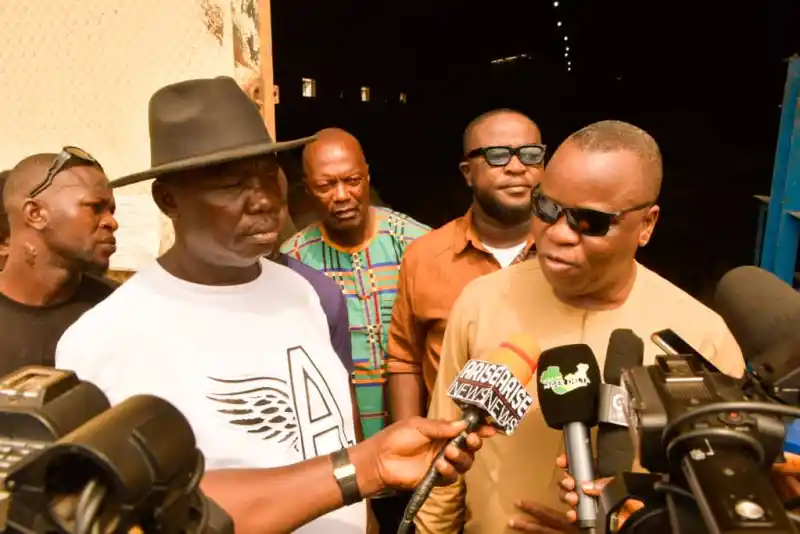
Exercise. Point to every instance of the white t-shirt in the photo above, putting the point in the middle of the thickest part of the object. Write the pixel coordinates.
(250, 366)
(505, 256)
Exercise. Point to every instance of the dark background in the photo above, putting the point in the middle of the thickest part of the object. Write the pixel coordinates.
(705, 78)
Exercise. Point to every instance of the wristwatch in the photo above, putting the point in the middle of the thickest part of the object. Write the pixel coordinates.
(345, 474)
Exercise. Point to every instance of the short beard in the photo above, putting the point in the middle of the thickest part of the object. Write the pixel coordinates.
(507, 215)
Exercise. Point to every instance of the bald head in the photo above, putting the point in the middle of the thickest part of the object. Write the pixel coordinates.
(612, 136)
(472, 133)
(337, 177)
(330, 143)
(21, 180)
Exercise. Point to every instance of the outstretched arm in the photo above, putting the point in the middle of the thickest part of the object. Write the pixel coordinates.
(285, 498)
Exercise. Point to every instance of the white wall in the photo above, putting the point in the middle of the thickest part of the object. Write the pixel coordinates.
(81, 72)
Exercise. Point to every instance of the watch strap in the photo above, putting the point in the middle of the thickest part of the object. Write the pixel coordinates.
(345, 474)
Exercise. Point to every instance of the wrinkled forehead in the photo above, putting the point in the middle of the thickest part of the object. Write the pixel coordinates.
(81, 179)
(334, 160)
(610, 180)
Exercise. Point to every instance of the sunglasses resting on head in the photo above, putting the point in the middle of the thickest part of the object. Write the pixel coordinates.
(67, 154)
(585, 221)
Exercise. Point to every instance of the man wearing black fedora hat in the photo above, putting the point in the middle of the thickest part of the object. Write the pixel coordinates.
(237, 342)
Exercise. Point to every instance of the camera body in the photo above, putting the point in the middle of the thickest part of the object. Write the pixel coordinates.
(71, 463)
(707, 448)
(674, 386)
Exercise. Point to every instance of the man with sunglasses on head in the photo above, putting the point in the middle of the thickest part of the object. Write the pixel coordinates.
(60, 212)
(503, 161)
(595, 207)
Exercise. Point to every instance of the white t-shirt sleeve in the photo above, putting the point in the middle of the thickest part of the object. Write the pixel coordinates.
(81, 349)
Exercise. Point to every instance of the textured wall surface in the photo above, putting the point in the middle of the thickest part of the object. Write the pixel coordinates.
(82, 73)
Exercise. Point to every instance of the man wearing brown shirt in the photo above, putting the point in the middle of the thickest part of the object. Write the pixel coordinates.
(596, 205)
(503, 160)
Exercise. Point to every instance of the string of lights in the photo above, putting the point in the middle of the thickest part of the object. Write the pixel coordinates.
(560, 24)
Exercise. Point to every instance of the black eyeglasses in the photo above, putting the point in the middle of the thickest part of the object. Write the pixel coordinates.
(500, 156)
(67, 154)
(585, 221)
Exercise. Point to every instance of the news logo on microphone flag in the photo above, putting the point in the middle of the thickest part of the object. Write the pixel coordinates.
(552, 379)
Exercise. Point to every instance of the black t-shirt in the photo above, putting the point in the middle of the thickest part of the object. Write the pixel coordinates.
(29, 334)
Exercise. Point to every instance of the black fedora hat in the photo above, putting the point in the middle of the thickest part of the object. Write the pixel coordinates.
(199, 123)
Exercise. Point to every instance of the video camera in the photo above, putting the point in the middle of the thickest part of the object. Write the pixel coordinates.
(71, 463)
(709, 442)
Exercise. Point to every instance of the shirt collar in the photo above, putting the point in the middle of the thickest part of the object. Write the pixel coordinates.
(466, 237)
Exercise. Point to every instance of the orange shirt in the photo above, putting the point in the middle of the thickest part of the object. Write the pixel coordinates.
(435, 269)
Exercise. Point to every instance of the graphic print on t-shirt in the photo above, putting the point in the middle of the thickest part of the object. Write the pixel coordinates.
(301, 413)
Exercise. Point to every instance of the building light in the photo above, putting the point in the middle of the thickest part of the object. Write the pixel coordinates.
(403, 98)
(510, 59)
(309, 87)
(276, 94)
(365, 94)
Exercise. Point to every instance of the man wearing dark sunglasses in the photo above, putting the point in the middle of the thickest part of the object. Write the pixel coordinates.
(503, 160)
(594, 208)
(60, 215)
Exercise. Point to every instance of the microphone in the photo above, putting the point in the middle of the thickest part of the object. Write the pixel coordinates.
(758, 307)
(488, 391)
(762, 313)
(569, 383)
(614, 447)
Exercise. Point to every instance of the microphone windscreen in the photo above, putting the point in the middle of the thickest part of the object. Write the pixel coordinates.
(625, 350)
(520, 353)
(758, 307)
(568, 385)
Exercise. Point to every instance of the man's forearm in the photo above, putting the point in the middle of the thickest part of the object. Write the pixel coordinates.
(407, 396)
(266, 501)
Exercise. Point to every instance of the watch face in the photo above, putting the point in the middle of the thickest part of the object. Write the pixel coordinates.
(344, 471)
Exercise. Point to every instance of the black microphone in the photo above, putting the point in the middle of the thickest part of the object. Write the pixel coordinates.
(569, 383)
(759, 309)
(614, 447)
(763, 314)
(491, 391)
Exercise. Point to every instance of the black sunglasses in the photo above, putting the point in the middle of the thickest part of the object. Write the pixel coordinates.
(584, 221)
(500, 156)
(67, 154)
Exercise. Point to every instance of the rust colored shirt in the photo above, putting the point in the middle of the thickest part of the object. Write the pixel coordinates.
(435, 269)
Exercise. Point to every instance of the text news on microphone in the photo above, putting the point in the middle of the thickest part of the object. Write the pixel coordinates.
(521, 467)
(491, 391)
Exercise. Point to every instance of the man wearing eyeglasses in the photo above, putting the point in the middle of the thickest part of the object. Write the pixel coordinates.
(595, 206)
(61, 220)
(503, 161)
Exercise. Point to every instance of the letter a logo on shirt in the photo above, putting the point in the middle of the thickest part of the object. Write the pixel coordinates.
(319, 417)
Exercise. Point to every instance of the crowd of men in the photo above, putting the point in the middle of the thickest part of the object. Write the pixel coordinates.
(280, 353)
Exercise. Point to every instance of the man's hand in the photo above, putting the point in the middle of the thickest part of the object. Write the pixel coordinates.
(785, 477)
(403, 452)
(569, 496)
(541, 519)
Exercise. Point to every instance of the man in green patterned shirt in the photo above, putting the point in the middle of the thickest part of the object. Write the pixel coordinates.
(360, 247)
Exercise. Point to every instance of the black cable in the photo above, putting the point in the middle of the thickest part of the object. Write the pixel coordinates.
(792, 503)
(663, 487)
(724, 407)
(706, 433)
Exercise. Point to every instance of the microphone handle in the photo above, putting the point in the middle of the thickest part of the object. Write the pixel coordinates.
(474, 418)
(579, 459)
